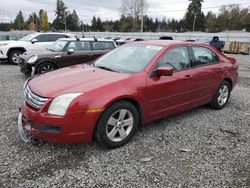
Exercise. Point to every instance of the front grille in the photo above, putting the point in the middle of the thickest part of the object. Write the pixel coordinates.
(33, 99)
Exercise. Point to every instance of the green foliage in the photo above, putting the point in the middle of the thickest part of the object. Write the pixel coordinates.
(61, 13)
(19, 21)
(194, 17)
(230, 17)
(44, 22)
(73, 21)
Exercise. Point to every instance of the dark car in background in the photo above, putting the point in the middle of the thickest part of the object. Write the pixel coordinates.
(64, 52)
(8, 37)
(215, 42)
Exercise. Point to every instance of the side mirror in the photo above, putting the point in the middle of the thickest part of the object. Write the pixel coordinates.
(164, 71)
(70, 51)
(34, 41)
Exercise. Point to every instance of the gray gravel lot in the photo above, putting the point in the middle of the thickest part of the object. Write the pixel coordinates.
(199, 148)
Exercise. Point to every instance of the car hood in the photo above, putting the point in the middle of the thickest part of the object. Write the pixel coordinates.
(16, 42)
(6, 41)
(74, 79)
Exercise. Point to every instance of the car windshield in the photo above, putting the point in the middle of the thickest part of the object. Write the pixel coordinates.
(128, 59)
(28, 37)
(58, 46)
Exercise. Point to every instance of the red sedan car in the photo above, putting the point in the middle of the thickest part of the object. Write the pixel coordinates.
(132, 85)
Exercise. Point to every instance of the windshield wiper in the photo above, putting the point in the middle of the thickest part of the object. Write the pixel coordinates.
(106, 68)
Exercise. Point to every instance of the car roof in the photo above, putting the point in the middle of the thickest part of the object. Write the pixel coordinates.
(86, 39)
(168, 43)
(52, 33)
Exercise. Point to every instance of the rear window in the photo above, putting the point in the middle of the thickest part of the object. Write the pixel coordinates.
(204, 56)
(98, 45)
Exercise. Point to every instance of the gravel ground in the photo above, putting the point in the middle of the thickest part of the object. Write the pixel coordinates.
(199, 148)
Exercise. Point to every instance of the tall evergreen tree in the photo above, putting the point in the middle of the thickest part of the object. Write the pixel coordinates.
(94, 24)
(19, 21)
(73, 21)
(194, 17)
(61, 13)
(44, 22)
(99, 25)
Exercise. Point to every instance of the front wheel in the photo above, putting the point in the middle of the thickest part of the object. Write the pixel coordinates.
(45, 67)
(14, 57)
(221, 96)
(117, 124)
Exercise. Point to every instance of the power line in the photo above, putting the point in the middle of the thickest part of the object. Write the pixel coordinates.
(204, 8)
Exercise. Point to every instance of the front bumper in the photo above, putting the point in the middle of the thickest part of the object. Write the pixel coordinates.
(26, 68)
(73, 128)
(3, 55)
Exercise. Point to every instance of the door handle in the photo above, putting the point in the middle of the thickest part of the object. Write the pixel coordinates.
(219, 69)
(187, 77)
(90, 54)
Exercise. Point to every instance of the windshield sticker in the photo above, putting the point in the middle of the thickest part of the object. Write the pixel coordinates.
(154, 47)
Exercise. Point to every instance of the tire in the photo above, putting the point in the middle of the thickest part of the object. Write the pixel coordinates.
(14, 57)
(45, 67)
(221, 96)
(116, 133)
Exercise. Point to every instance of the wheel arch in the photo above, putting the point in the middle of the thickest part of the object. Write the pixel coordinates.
(41, 61)
(131, 100)
(16, 48)
(230, 83)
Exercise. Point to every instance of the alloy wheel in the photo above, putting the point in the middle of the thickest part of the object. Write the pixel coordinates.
(16, 58)
(46, 68)
(119, 125)
(223, 95)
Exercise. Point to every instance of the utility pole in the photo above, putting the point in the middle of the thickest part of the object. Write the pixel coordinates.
(142, 20)
(194, 21)
(65, 22)
(142, 6)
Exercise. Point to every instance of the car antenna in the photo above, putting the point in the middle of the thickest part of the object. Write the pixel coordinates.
(95, 39)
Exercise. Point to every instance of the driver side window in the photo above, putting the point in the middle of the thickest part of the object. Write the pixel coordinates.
(176, 58)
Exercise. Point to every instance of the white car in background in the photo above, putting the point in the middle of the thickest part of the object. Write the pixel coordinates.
(11, 50)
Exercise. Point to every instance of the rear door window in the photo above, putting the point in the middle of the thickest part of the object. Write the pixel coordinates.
(84, 46)
(204, 56)
(99, 45)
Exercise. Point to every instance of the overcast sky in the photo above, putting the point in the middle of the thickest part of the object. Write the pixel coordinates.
(106, 9)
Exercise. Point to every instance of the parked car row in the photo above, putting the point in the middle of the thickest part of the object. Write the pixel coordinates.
(8, 37)
(215, 42)
(64, 52)
(11, 50)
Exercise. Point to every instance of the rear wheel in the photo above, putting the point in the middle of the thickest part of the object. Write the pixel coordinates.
(117, 124)
(221, 96)
(45, 67)
(14, 57)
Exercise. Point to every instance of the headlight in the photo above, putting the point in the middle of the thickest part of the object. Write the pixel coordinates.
(61, 103)
(32, 59)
